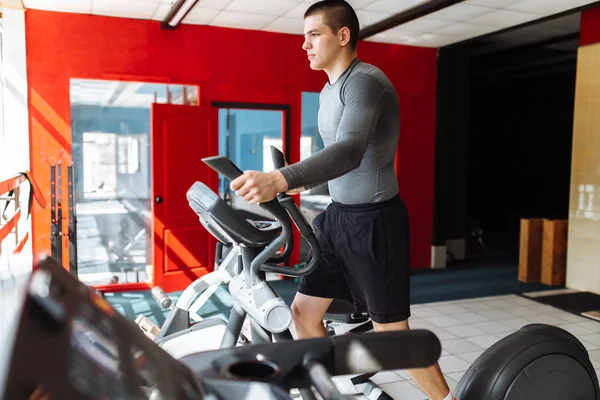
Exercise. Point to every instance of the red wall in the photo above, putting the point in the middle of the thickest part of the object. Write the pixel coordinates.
(590, 27)
(226, 64)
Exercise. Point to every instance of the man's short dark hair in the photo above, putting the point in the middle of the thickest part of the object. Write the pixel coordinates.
(337, 14)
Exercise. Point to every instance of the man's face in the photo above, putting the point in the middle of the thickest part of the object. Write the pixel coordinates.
(322, 45)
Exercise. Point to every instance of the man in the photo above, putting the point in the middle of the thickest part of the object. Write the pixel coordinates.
(364, 233)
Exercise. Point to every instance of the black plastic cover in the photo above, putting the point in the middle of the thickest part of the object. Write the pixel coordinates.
(217, 215)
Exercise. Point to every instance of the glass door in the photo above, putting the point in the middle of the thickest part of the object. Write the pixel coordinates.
(110, 123)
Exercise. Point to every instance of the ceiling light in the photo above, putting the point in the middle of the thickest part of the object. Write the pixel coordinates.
(177, 13)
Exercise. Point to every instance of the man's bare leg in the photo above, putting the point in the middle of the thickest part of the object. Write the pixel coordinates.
(430, 379)
(308, 313)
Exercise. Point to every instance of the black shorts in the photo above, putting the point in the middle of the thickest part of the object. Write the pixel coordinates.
(364, 258)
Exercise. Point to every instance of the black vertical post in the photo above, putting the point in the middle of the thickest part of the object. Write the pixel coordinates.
(72, 224)
(59, 216)
(53, 223)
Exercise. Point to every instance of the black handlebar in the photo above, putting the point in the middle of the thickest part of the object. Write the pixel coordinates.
(278, 162)
(307, 232)
(282, 209)
(223, 166)
(229, 170)
(278, 158)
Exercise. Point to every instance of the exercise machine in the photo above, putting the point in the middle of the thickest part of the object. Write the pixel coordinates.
(537, 362)
(253, 246)
(91, 351)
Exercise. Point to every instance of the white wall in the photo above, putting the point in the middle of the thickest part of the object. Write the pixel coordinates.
(583, 253)
(15, 141)
(14, 123)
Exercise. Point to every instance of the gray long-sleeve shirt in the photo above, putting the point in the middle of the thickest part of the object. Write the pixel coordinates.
(359, 122)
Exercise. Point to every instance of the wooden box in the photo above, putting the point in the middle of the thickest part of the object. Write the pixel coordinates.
(530, 253)
(554, 252)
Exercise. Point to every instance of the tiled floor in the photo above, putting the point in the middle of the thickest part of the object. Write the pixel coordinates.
(467, 327)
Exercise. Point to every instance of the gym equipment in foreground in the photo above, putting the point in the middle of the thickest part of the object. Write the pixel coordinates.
(91, 351)
(536, 362)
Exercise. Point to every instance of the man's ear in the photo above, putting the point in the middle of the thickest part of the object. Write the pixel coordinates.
(344, 36)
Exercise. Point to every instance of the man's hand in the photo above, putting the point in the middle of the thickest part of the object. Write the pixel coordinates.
(296, 191)
(259, 187)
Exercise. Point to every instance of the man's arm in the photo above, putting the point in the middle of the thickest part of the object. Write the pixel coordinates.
(362, 94)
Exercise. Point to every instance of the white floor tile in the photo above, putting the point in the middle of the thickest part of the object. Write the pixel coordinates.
(424, 312)
(443, 321)
(457, 346)
(470, 318)
(515, 323)
(450, 364)
(496, 315)
(403, 390)
(419, 323)
(503, 334)
(593, 338)
(523, 312)
(402, 374)
(493, 327)
(464, 331)
(451, 383)
(442, 334)
(568, 317)
(545, 319)
(595, 355)
(470, 357)
(456, 376)
(450, 309)
(593, 326)
(499, 304)
(520, 301)
(589, 346)
(385, 377)
(474, 306)
(575, 329)
(484, 341)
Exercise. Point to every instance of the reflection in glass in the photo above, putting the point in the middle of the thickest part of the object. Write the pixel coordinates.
(110, 123)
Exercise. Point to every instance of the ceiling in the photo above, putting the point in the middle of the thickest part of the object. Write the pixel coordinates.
(561, 33)
(545, 48)
(459, 22)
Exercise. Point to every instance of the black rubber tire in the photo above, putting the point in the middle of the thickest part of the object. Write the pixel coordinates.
(538, 362)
